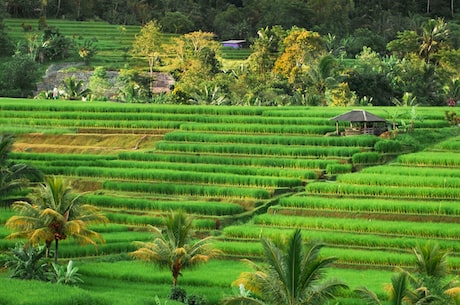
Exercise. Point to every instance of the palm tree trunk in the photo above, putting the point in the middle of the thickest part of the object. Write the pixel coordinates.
(58, 8)
(78, 9)
(48, 248)
(175, 270)
(428, 6)
(56, 250)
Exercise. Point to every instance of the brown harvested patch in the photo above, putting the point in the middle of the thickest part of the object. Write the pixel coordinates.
(84, 143)
(83, 185)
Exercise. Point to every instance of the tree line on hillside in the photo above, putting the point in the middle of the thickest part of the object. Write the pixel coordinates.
(240, 18)
(297, 66)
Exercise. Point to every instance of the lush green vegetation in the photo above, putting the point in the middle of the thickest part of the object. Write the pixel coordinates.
(244, 171)
(407, 62)
(244, 194)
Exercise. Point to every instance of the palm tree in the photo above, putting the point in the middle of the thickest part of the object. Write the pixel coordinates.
(398, 291)
(289, 277)
(427, 285)
(434, 33)
(54, 214)
(175, 249)
(322, 77)
(429, 280)
(452, 90)
(13, 176)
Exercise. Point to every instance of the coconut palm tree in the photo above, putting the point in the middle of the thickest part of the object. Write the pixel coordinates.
(429, 280)
(322, 77)
(293, 276)
(398, 291)
(426, 285)
(434, 34)
(55, 214)
(13, 176)
(175, 249)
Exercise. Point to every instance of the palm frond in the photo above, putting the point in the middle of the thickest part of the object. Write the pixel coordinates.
(319, 294)
(368, 296)
(399, 288)
(293, 261)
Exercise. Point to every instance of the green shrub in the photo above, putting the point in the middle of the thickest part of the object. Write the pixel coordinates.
(196, 300)
(18, 76)
(27, 262)
(178, 294)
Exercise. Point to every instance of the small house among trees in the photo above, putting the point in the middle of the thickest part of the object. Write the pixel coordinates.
(236, 44)
(361, 122)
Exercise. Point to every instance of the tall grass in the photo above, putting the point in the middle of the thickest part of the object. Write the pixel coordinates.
(426, 193)
(439, 230)
(284, 163)
(399, 180)
(262, 150)
(398, 169)
(140, 204)
(359, 141)
(249, 234)
(259, 128)
(190, 190)
(445, 159)
(372, 205)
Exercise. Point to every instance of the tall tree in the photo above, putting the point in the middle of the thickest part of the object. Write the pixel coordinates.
(6, 46)
(197, 61)
(175, 249)
(266, 48)
(292, 275)
(148, 44)
(433, 37)
(331, 16)
(55, 214)
(300, 46)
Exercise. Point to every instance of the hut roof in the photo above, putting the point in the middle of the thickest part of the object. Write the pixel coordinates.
(358, 116)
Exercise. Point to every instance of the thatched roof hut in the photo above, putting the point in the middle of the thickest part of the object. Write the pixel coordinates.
(361, 122)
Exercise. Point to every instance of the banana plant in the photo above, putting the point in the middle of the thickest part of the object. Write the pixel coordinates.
(66, 274)
(74, 89)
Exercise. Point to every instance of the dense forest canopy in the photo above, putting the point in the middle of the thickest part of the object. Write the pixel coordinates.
(241, 18)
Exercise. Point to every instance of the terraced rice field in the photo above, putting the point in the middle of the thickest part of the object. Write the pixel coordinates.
(245, 173)
(113, 43)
